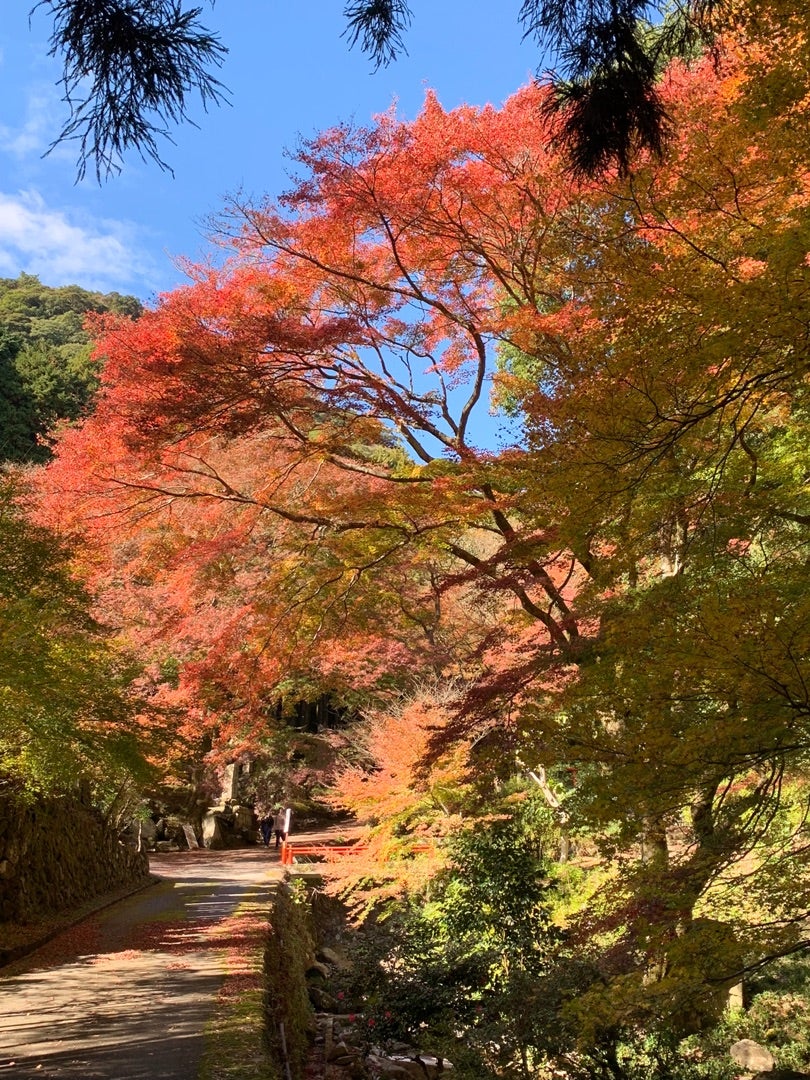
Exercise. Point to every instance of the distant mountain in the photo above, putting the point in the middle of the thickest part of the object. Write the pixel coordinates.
(46, 374)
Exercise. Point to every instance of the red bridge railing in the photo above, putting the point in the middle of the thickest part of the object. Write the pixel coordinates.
(290, 851)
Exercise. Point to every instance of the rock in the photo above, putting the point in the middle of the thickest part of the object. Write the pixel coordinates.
(244, 821)
(420, 1066)
(322, 1001)
(433, 1066)
(781, 1074)
(352, 1037)
(326, 1033)
(230, 782)
(317, 971)
(192, 843)
(736, 997)
(228, 826)
(344, 1059)
(332, 957)
(343, 1054)
(57, 855)
(401, 1049)
(386, 1067)
(212, 832)
(173, 828)
(412, 1066)
(752, 1056)
(345, 1028)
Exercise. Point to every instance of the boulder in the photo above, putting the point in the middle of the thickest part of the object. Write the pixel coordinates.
(212, 832)
(388, 1068)
(419, 1066)
(245, 821)
(433, 1066)
(332, 957)
(752, 1057)
(341, 1052)
(736, 997)
(173, 828)
(191, 837)
(398, 1049)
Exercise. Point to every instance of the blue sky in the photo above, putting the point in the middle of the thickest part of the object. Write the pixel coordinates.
(290, 74)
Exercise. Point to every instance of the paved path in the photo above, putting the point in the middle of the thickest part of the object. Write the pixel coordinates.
(126, 994)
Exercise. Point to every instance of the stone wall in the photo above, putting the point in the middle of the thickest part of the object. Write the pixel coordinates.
(288, 954)
(56, 854)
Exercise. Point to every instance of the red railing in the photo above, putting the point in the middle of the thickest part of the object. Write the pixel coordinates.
(290, 851)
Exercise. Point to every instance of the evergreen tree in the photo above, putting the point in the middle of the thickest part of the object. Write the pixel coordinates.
(129, 68)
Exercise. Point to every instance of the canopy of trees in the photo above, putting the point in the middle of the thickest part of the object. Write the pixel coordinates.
(289, 450)
(68, 715)
(68, 710)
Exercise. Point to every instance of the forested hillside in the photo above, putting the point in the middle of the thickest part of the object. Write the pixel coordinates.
(46, 374)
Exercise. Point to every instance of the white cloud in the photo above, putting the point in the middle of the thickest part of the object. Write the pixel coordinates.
(44, 114)
(60, 247)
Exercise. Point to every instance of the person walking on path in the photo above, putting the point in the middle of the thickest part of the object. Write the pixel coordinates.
(281, 825)
(266, 829)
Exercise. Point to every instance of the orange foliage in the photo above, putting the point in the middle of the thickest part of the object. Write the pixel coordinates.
(403, 793)
(283, 484)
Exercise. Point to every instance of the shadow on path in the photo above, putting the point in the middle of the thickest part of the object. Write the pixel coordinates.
(126, 993)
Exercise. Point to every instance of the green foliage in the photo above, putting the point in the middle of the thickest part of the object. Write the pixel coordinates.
(476, 969)
(520, 370)
(18, 420)
(650, 534)
(46, 371)
(33, 310)
(779, 1012)
(454, 968)
(492, 889)
(777, 1017)
(284, 768)
(64, 689)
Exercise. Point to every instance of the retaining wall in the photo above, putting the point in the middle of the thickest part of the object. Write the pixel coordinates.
(56, 854)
